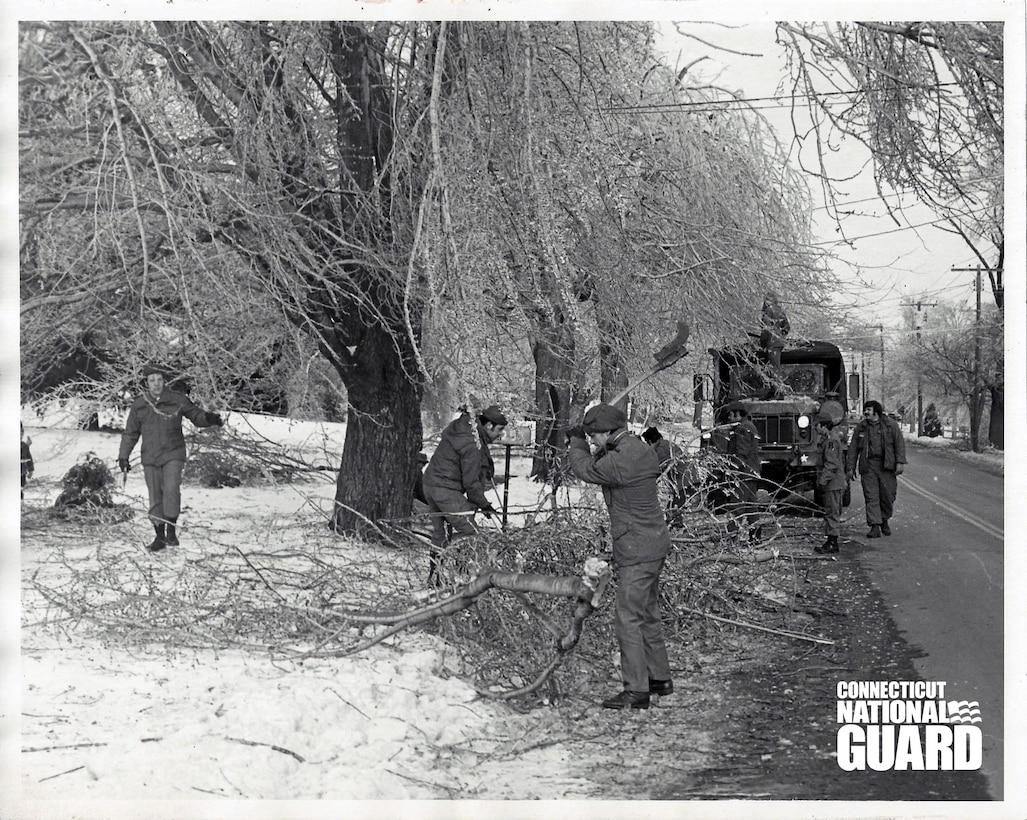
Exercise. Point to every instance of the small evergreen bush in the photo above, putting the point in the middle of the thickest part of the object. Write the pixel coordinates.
(88, 483)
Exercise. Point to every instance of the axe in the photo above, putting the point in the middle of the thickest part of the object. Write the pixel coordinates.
(665, 357)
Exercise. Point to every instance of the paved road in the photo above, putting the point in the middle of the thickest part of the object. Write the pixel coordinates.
(941, 573)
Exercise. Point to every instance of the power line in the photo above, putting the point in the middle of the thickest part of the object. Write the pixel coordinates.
(885, 233)
(697, 106)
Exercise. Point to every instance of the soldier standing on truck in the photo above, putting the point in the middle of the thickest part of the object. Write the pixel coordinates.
(879, 450)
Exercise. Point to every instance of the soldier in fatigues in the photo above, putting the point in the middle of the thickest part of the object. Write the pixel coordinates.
(628, 470)
(456, 477)
(831, 480)
(742, 444)
(878, 449)
(156, 416)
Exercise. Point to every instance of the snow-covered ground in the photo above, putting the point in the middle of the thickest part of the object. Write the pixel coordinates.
(169, 726)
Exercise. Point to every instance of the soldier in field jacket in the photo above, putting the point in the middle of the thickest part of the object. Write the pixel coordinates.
(627, 470)
(878, 449)
(156, 417)
(454, 482)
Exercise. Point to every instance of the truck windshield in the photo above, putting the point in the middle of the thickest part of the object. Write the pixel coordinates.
(746, 381)
(805, 379)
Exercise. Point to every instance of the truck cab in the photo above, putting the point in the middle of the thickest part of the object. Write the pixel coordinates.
(782, 400)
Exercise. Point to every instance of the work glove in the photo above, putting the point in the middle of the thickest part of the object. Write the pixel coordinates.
(214, 420)
(575, 432)
(488, 511)
(123, 465)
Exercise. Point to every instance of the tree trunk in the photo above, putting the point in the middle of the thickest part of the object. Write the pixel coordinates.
(383, 436)
(997, 418)
(613, 377)
(553, 352)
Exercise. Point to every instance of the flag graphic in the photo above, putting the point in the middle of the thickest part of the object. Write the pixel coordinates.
(964, 711)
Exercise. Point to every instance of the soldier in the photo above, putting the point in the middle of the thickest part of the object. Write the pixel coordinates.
(455, 479)
(28, 466)
(156, 416)
(672, 466)
(878, 449)
(831, 480)
(742, 443)
(627, 470)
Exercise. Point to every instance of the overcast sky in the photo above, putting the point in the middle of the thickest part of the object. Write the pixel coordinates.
(887, 265)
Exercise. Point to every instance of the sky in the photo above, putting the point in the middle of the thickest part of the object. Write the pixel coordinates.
(887, 265)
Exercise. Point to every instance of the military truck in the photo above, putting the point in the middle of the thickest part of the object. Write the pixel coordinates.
(782, 398)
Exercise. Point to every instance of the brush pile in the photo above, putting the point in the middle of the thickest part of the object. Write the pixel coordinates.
(513, 604)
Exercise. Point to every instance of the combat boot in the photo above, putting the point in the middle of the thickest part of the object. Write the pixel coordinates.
(885, 529)
(661, 687)
(628, 700)
(829, 546)
(170, 538)
(875, 531)
(158, 543)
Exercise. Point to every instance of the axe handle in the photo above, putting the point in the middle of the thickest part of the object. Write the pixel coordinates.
(645, 377)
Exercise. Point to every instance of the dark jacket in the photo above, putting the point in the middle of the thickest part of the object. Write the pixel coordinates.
(159, 422)
(741, 441)
(627, 470)
(894, 446)
(462, 461)
(831, 472)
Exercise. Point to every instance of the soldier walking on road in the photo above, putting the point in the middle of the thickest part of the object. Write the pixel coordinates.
(627, 470)
(878, 449)
(156, 416)
(831, 480)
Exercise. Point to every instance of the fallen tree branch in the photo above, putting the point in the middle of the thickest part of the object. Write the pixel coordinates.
(60, 774)
(757, 557)
(268, 745)
(65, 746)
(586, 590)
(782, 632)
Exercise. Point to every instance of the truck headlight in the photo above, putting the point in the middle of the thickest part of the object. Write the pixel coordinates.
(802, 422)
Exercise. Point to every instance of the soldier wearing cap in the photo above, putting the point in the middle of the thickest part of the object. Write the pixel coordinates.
(156, 416)
(628, 470)
(831, 479)
(878, 449)
(742, 444)
(455, 479)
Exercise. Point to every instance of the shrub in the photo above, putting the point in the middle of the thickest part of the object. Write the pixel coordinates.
(220, 469)
(86, 484)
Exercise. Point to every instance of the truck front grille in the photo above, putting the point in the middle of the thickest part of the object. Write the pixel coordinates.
(775, 429)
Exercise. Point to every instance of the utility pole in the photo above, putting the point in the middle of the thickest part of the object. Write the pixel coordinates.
(920, 304)
(978, 400)
(881, 328)
(919, 381)
(863, 381)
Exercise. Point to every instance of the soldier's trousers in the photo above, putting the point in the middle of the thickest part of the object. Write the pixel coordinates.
(639, 630)
(164, 486)
(879, 489)
(832, 501)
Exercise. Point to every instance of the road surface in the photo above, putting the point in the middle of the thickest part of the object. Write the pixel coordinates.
(941, 573)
